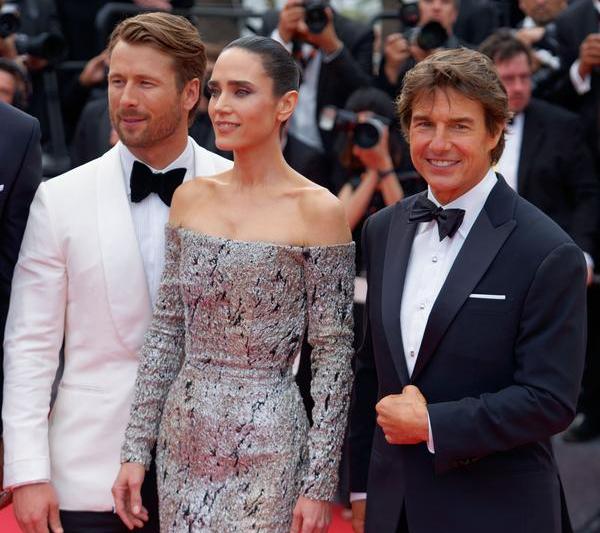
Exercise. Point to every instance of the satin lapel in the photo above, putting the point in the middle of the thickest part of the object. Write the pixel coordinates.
(533, 135)
(397, 253)
(477, 253)
(125, 279)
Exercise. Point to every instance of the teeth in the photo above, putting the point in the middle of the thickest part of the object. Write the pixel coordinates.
(438, 163)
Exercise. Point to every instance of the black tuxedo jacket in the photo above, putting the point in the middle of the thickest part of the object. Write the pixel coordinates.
(572, 26)
(350, 70)
(557, 174)
(20, 175)
(500, 376)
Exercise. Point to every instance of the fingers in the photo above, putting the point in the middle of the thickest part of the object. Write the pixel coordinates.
(54, 520)
(120, 497)
(296, 521)
(413, 392)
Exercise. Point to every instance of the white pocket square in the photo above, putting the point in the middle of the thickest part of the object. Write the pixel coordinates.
(488, 296)
(1, 187)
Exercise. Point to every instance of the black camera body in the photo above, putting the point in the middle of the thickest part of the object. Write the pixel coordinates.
(315, 15)
(430, 36)
(366, 132)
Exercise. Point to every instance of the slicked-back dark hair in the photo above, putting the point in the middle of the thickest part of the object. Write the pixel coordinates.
(502, 45)
(277, 62)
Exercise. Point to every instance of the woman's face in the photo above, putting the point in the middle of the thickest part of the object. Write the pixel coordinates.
(242, 107)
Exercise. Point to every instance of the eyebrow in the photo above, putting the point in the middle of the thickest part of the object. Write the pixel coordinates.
(467, 120)
(233, 83)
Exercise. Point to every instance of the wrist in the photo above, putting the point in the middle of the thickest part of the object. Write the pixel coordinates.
(382, 174)
(330, 46)
(584, 69)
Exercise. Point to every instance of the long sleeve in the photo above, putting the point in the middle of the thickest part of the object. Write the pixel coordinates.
(160, 359)
(329, 277)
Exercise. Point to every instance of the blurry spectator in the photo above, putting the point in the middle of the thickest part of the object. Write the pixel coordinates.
(577, 30)
(93, 133)
(307, 160)
(545, 158)
(336, 59)
(401, 51)
(538, 30)
(14, 85)
(368, 178)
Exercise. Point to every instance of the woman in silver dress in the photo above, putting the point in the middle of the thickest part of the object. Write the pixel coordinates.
(256, 257)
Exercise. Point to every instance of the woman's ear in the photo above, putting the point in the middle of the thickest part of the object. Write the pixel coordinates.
(286, 105)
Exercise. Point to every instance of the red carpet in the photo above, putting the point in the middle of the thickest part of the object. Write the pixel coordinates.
(8, 524)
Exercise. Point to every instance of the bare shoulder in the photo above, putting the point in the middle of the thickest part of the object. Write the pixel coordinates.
(190, 196)
(324, 216)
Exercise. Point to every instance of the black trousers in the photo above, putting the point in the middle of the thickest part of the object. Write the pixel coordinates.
(109, 522)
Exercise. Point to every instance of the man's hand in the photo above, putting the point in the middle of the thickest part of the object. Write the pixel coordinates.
(396, 52)
(94, 71)
(530, 36)
(359, 508)
(290, 17)
(36, 508)
(327, 41)
(403, 417)
(589, 54)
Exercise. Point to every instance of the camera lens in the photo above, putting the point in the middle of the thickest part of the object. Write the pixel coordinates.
(432, 35)
(366, 134)
(9, 20)
(315, 16)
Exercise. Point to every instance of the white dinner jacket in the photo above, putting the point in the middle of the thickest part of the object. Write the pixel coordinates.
(79, 277)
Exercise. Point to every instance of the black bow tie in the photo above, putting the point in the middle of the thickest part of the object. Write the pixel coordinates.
(143, 182)
(448, 220)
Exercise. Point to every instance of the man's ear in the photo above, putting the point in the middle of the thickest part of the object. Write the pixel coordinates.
(286, 105)
(191, 93)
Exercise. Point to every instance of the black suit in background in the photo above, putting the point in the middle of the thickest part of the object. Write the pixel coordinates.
(500, 376)
(572, 26)
(350, 70)
(556, 172)
(20, 175)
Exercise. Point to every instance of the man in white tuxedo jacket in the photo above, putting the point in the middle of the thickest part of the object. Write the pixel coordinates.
(88, 272)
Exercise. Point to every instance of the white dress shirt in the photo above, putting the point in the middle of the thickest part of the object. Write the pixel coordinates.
(429, 263)
(151, 214)
(508, 165)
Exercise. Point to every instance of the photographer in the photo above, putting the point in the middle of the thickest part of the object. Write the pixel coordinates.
(371, 159)
(335, 54)
(434, 29)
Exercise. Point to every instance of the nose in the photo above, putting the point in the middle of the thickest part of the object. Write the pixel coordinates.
(439, 142)
(129, 95)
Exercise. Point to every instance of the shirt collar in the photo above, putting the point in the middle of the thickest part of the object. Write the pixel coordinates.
(472, 201)
(184, 160)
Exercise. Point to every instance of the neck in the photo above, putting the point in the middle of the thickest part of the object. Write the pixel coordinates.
(261, 164)
(162, 153)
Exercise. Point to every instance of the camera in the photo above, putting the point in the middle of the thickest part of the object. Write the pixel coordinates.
(315, 15)
(366, 132)
(430, 36)
(10, 20)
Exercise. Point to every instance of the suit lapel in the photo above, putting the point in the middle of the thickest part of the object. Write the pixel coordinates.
(125, 279)
(397, 254)
(491, 229)
(533, 136)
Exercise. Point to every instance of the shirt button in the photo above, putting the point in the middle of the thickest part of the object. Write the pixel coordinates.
(422, 306)
(412, 353)
(434, 259)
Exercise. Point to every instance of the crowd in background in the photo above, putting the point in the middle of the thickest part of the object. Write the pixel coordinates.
(344, 134)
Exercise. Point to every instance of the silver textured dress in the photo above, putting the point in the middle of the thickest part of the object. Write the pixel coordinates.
(215, 383)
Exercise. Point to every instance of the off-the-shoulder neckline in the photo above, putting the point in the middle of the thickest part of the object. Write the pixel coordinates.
(220, 238)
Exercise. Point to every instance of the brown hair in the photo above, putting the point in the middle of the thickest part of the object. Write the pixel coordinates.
(502, 45)
(466, 71)
(171, 34)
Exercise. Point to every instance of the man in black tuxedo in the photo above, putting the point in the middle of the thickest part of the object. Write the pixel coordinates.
(21, 163)
(546, 158)
(475, 328)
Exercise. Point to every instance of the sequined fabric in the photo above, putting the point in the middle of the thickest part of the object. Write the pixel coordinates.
(215, 381)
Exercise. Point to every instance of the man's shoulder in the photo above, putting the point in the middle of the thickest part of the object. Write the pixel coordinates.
(220, 163)
(551, 114)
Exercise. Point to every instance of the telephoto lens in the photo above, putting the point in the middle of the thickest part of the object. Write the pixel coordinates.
(315, 15)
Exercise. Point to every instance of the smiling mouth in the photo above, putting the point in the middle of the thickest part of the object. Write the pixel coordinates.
(441, 163)
(226, 126)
